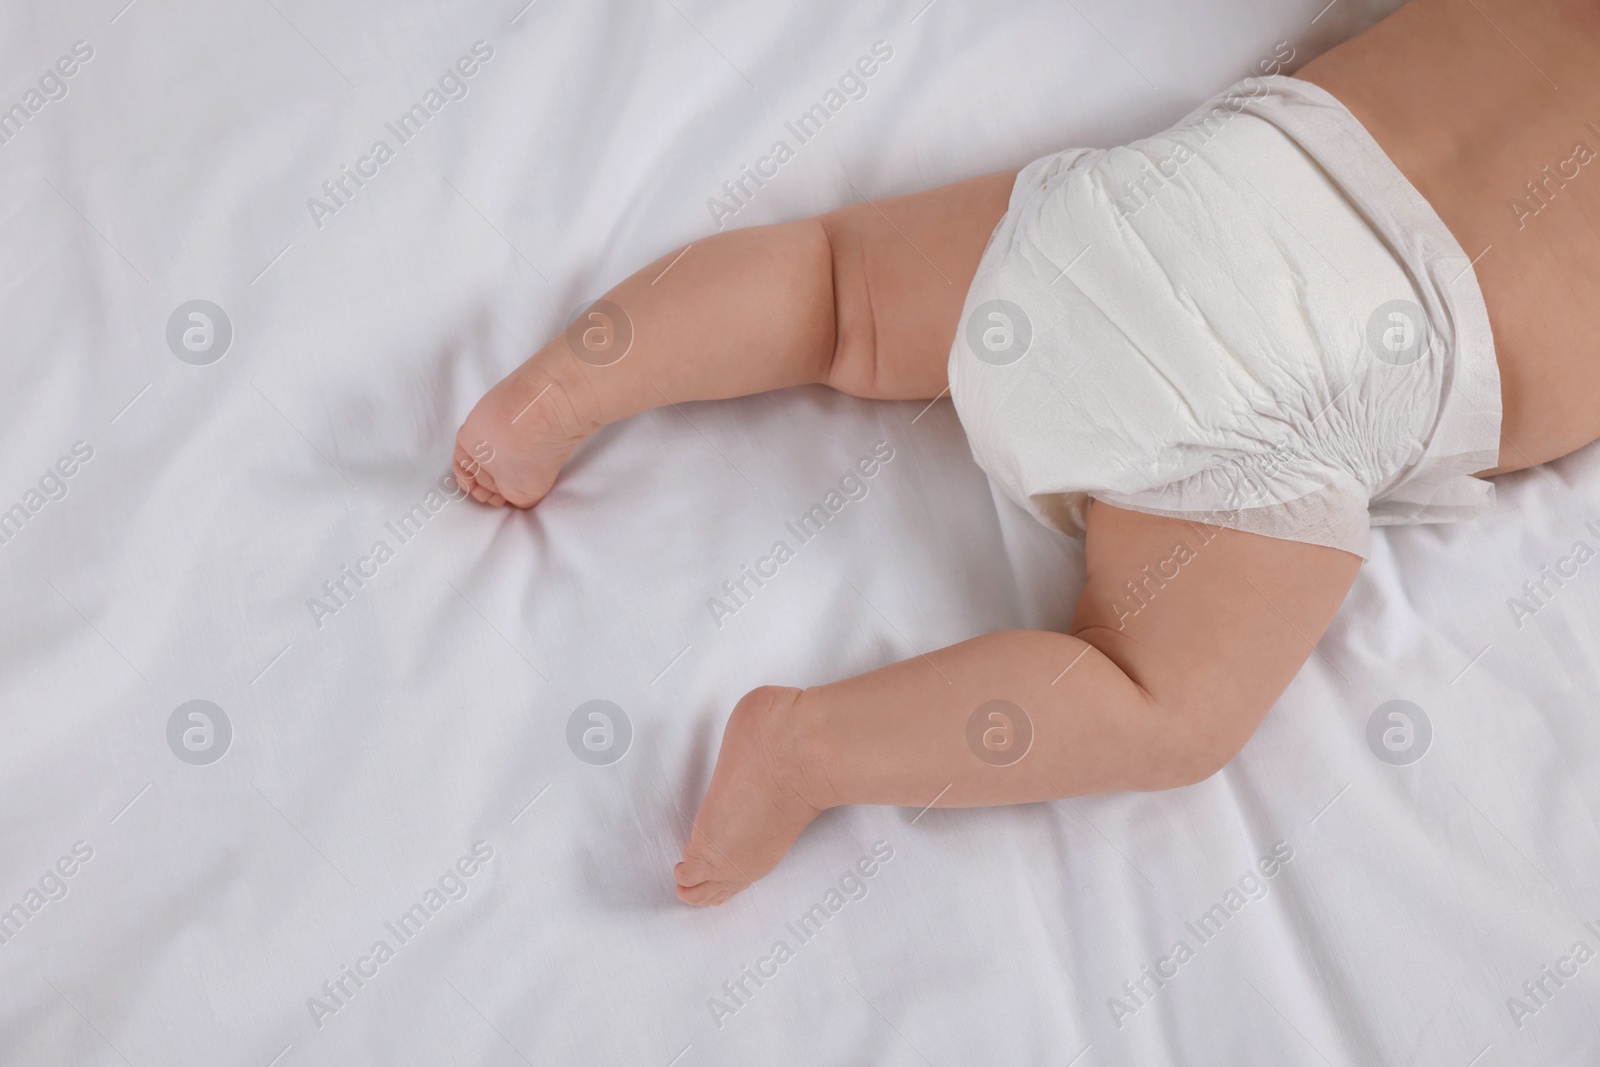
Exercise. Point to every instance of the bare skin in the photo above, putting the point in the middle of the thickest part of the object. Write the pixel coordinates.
(866, 300)
(1472, 100)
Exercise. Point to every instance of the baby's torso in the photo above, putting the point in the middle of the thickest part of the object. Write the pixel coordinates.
(1492, 111)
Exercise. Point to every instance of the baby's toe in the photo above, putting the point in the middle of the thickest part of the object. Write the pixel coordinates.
(706, 894)
(694, 869)
(703, 876)
(699, 896)
(475, 478)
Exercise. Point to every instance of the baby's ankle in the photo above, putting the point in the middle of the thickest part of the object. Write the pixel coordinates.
(809, 751)
(791, 745)
(545, 394)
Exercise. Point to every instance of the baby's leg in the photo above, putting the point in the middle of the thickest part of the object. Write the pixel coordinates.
(1159, 693)
(864, 299)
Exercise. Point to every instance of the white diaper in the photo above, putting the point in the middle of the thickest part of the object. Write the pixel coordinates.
(1251, 320)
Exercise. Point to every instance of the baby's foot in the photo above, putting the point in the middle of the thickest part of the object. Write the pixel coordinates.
(517, 437)
(757, 802)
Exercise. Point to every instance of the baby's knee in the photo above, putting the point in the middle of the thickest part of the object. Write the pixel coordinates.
(1199, 737)
(1195, 713)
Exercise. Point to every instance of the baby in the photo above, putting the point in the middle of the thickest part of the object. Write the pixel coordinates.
(1219, 354)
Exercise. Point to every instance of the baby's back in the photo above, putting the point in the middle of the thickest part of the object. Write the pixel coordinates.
(1488, 109)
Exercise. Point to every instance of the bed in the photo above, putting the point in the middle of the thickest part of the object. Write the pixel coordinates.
(309, 761)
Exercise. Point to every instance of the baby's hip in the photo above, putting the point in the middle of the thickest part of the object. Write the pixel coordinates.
(1220, 318)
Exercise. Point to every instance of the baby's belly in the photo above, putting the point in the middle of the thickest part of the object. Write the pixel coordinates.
(1511, 163)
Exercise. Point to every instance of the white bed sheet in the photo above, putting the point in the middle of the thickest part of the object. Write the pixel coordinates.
(426, 717)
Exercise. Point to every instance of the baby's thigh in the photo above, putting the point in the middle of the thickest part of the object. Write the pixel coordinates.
(1213, 623)
(901, 270)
